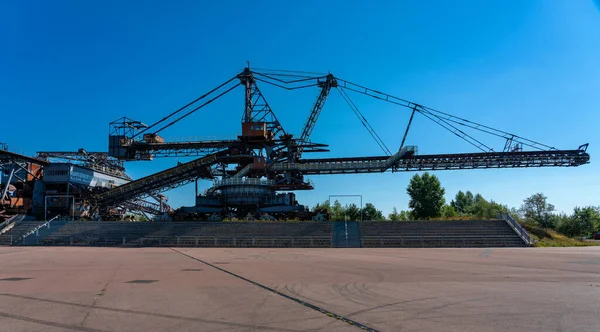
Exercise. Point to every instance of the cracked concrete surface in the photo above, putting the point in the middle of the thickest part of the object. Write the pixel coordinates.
(89, 289)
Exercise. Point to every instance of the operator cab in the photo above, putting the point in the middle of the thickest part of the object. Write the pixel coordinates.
(256, 131)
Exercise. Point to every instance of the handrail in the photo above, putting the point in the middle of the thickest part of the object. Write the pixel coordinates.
(243, 181)
(6, 225)
(238, 237)
(47, 223)
(434, 236)
(517, 228)
(76, 239)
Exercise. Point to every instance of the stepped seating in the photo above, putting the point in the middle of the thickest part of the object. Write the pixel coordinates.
(35, 237)
(346, 234)
(20, 229)
(436, 234)
(5, 240)
(419, 234)
(203, 234)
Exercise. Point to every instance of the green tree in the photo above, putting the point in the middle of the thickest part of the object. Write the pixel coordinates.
(352, 212)
(337, 211)
(462, 201)
(399, 216)
(478, 198)
(426, 196)
(448, 211)
(482, 208)
(394, 216)
(369, 212)
(537, 208)
(514, 213)
(322, 207)
(583, 221)
(470, 198)
(406, 215)
(561, 222)
(495, 209)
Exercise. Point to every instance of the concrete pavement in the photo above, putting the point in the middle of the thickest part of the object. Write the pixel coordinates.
(198, 289)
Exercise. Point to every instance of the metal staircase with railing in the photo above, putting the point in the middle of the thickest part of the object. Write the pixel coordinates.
(519, 230)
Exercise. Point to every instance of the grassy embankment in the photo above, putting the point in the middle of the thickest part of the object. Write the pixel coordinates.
(550, 238)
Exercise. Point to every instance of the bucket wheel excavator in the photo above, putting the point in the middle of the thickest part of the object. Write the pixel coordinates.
(255, 174)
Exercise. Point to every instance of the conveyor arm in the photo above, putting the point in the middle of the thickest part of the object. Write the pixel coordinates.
(484, 160)
(161, 181)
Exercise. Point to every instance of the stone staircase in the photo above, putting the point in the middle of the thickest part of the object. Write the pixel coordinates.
(196, 234)
(16, 228)
(351, 234)
(439, 234)
(34, 238)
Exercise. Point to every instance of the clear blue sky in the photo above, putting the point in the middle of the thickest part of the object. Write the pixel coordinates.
(68, 68)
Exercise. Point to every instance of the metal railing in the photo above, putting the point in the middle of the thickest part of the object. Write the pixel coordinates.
(6, 239)
(517, 228)
(194, 241)
(243, 181)
(421, 241)
(193, 139)
(36, 229)
(6, 225)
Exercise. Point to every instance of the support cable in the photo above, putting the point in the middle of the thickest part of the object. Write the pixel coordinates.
(459, 133)
(186, 106)
(364, 122)
(197, 108)
(283, 86)
(303, 79)
(491, 131)
(271, 75)
(289, 71)
(347, 85)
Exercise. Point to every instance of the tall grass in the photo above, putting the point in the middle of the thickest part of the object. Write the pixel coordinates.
(550, 238)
